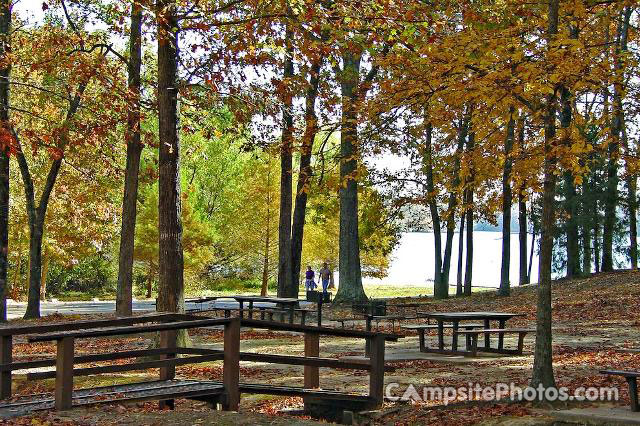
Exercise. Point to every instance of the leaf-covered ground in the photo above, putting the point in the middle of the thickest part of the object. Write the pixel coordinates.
(596, 321)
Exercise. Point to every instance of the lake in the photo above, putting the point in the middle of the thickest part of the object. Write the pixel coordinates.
(412, 261)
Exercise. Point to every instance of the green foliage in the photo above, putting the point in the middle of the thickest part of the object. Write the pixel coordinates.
(93, 275)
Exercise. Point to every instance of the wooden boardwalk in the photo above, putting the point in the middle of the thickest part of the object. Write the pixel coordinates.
(145, 391)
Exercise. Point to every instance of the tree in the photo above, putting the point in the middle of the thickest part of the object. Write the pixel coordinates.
(305, 171)
(543, 353)
(170, 254)
(506, 205)
(134, 149)
(5, 146)
(287, 286)
(350, 289)
(55, 125)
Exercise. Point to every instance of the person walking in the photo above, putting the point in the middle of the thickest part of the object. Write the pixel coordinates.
(326, 277)
(309, 282)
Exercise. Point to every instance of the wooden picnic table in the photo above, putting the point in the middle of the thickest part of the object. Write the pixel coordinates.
(456, 317)
(285, 303)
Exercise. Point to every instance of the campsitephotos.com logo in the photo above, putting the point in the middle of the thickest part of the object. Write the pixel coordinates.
(499, 391)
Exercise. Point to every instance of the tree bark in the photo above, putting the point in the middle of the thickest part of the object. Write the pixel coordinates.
(611, 196)
(285, 281)
(632, 200)
(134, 149)
(350, 287)
(596, 240)
(45, 270)
(507, 201)
(5, 31)
(433, 205)
(468, 272)
(170, 254)
(522, 237)
(265, 265)
(543, 353)
(459, 277)
(304, 176)
(573, 253)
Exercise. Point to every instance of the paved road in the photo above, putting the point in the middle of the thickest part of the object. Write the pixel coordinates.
(16, 310)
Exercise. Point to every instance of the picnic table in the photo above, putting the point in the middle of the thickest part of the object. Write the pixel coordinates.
(455, 318)
(285, 303)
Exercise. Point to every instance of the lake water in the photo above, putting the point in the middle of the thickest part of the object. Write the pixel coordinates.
(412, 261)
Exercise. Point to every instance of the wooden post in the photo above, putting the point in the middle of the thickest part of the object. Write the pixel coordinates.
(487, 336)
(64, 374)
(421, 339)
(6, 357)
(633, 393)
(376, 377)
(521, 342)
(168, 339)
(502, 325)
(231, 368)
(311, 349)
(454, 338)
(440, 334)
(367, 344)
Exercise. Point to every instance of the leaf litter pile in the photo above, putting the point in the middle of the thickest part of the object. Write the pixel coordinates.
(595, 327)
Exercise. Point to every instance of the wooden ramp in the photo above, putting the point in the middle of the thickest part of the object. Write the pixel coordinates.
(156, 390)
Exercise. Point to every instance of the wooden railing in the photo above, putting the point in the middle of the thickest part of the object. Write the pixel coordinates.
(65, 336)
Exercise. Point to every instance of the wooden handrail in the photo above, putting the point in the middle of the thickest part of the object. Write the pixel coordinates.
(39, 363)
(80, 325)
(118, 368)
(323, 331)
(117, 331)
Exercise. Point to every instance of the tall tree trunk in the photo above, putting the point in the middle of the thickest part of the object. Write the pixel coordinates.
(265, 264)
(522, 214)
(533, 244)
(573, 253)
(633, 221)
(468, 272)
(285, 282)
(543, 353)
(46, 258)
(150, 281)
(14, 292)
(304, 177)
(611, 196)
(350, 288)
(632, 201)
(5, 29)
(507, 201)
(433, 205)
(573, 249)
(522, 237)
(170, 254)
(587, 206)
(596, 240)
(134, 149)
(441, 287)
(459, 277)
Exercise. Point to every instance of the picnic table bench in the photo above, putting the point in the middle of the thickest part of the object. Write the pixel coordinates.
(285, 303)
(632, 380)
(472, 339)
(422, 328)
(456, 318)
